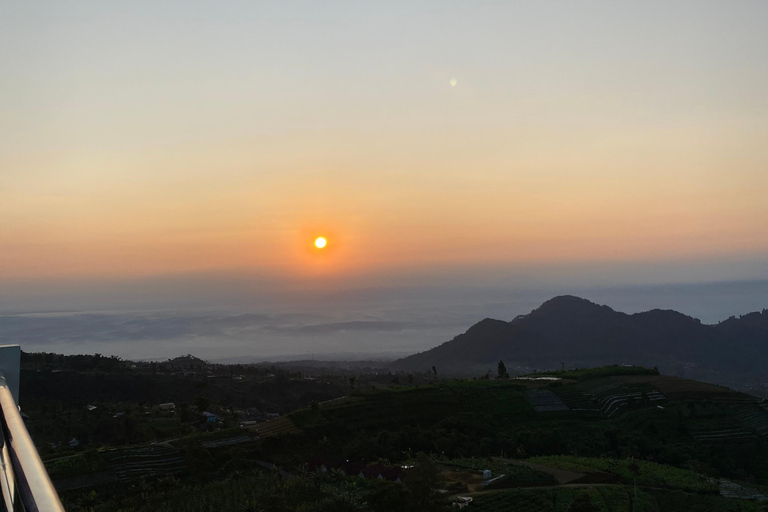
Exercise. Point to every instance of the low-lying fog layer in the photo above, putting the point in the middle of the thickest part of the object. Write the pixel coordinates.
(367, 325)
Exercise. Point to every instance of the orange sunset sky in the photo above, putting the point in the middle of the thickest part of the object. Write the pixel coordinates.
(148, 140)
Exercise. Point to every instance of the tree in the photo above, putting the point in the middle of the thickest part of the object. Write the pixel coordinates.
(202, 404)
(386, 496)
(434, 370)
(502, 370)
(421, 483)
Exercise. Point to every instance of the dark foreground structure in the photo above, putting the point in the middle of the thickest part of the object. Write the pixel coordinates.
(24, 481)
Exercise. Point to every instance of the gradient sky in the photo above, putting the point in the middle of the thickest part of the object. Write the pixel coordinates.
(149, 139)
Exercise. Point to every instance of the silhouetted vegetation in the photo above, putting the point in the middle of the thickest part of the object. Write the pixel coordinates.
(582, 333)
(613, 425)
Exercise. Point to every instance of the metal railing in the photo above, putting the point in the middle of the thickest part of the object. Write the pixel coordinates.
(24, 482)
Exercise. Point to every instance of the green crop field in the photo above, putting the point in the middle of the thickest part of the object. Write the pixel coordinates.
(649, 473)
(485, 418)
(517, 500)
(610, 498)
(516, 475)
(613, 498)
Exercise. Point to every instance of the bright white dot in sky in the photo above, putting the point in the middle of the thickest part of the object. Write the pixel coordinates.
(453, 82)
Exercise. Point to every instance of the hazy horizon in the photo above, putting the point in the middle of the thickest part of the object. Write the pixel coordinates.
(462, 160)
(374, 324)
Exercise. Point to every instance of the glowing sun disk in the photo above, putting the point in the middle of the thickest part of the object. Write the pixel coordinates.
(320, 242)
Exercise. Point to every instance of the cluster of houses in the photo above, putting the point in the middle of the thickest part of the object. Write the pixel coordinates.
(357, 468)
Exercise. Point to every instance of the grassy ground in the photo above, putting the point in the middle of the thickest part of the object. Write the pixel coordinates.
(646, 473)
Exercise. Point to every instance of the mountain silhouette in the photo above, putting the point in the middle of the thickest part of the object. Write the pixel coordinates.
(574, 330)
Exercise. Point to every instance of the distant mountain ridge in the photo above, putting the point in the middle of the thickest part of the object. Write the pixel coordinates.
(576, 331)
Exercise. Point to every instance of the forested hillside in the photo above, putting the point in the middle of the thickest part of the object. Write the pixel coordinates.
(578, 332)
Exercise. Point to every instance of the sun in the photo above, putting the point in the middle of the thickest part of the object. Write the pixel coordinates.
(320, 242)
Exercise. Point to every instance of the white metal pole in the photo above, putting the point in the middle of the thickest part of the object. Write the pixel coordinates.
(34, 484)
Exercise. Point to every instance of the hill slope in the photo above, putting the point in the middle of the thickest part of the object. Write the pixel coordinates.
(577, 331)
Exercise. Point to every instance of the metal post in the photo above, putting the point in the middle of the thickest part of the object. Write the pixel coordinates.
(10, 366)
(22, 468)
(7, 480)
(35, 487)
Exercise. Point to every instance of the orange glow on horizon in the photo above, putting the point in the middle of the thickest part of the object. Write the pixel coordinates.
(164, 158)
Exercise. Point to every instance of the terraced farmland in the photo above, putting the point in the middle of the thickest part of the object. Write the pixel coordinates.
(723, 434)
(543, 400)
(609, 395)
(675, 388)
(281, 425)
(229, 442)
(754, 418)
(576, 400)
(613, 399)
(146, 461)
(127, 464)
